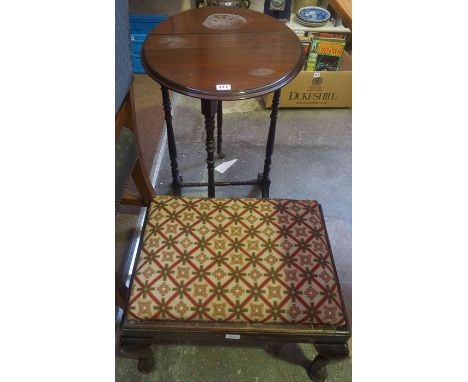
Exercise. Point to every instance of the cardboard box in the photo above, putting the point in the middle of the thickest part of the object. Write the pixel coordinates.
(318, 89)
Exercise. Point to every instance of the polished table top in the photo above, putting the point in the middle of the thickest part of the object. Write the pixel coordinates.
(222, 53)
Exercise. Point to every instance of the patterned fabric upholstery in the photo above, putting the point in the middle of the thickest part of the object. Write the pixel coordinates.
(235, 260)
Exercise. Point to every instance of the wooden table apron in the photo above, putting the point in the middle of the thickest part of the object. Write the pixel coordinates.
(246, 52)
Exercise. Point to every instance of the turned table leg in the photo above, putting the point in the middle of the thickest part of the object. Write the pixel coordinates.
(209, 111)
(327, 353)
(176, 179)
(219, 127)
(265, 176)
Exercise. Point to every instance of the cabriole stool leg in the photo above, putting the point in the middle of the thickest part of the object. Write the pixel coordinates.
(140, 350)
(327, 353)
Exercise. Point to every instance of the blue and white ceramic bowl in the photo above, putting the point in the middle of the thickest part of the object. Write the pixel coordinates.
(310, 25)
(313, 14)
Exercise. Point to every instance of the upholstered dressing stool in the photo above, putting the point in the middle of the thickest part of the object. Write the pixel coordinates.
(235, 270)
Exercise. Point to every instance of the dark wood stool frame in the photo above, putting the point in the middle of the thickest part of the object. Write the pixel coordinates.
(136, 337)
(210, 109)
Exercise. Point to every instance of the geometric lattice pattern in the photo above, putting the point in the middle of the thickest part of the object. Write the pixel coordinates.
(235, 260)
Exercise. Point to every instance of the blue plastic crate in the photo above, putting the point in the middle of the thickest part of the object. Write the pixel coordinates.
(143, 24)
(137, 66)
(137, 40)
(140, 26)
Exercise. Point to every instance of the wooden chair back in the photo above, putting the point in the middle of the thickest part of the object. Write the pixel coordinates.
(128, 148)
(129, 163)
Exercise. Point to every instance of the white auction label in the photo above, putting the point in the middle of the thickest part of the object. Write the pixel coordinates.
(232, 336)
(223, 87)
(316, 74)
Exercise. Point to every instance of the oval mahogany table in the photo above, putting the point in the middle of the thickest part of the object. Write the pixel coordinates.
(221, 54)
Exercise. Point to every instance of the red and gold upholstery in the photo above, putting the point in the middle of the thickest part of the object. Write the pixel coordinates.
(235, 260)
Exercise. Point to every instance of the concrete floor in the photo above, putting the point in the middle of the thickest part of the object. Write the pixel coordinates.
(311, 160)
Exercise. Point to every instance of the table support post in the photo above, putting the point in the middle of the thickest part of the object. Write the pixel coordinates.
(219, 126)
(209, 111)
(265, 177)
(176, 179)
